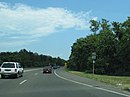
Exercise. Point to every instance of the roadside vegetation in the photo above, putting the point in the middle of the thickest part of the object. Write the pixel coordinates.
(122, 82)
(30, 59)
(111, 43)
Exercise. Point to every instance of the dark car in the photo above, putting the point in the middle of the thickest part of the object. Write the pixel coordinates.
(55, 67)
(47, 69)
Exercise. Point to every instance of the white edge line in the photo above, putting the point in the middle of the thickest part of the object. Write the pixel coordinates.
(91, 86)
(22, 82)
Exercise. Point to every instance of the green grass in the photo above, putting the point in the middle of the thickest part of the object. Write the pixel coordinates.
(122, 82)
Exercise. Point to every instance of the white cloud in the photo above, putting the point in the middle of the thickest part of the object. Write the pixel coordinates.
(28, 23)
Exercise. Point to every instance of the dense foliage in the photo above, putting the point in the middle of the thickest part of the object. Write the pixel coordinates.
(30, 59)
(110, 41)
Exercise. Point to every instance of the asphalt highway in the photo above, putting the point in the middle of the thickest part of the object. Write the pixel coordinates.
(58, 84)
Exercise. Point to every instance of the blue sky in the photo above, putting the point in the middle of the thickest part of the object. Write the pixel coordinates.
(51, 27)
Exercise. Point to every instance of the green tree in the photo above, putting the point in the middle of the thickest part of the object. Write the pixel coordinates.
(29, 59)
(94, 27)
(111, 42)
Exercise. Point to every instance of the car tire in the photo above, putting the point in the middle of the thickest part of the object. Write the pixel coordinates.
(17, 75)
(22, 75)
(2, 76)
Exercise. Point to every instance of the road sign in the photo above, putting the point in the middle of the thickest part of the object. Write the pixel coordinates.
(94, 55)
(93, 61)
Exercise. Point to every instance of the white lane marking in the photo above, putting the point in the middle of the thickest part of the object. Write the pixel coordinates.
(91, 86)
(36, 74)
(22, 82)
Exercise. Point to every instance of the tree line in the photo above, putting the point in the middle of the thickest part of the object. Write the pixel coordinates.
(30, 59)
(110, 41)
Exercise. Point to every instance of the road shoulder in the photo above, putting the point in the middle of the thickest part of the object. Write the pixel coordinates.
(89, 82)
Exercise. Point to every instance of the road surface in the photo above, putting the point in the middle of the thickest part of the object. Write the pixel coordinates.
(58, 84)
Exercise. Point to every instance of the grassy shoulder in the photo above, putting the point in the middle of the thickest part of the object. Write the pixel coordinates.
(122, 82)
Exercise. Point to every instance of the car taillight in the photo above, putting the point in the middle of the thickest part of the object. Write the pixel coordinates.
(15, 70)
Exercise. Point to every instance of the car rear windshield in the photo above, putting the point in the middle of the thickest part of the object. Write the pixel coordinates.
(8, 65)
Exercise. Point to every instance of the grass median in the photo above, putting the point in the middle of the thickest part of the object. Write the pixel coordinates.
(122, 82)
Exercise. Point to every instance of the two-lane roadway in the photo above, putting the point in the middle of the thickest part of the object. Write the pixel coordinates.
(58, 84)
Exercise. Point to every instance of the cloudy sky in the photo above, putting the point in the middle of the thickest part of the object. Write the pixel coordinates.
(52, 26)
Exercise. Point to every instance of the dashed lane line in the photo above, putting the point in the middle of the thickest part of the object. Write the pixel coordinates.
(22, 82)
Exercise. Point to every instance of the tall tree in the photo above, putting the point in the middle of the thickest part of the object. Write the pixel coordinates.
(94, 27)
(112, 45)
